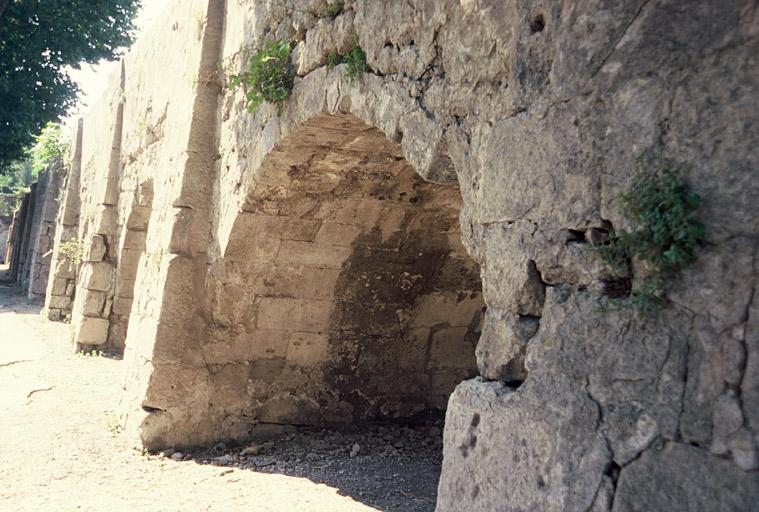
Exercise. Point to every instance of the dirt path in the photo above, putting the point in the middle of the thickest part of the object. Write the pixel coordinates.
(59, 450)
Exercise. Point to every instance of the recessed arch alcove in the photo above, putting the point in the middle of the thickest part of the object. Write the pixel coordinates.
(343, 294)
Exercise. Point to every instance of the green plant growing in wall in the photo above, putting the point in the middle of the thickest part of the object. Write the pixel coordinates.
(333, 9)
(269, 76)
(72, 250)
(333, 59)
(354, 60)
(664, 238)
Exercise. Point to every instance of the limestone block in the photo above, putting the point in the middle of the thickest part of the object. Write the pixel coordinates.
(106, 220)
(333, 233)
(122, 305)
(96, 276)
(503, 345)
(227, 347)
(288, 409)
(313, 255)
(117, 333)
(59, 302)
(94, 250)
(294, 314)
(134, 240)
(720, 283)
(364, 214)
(326, 36)
(684, 478)
(561, 158)
(424, 147)
(268, 344)
(93, 303)
(307, 348)
(526, 291)
(545, 432)
(64, 269)
(451, 308)
(451, 348)
(58, 286)
(92, 331)
(139, 218)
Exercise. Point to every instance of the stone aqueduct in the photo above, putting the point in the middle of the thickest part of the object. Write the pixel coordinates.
(421, 232)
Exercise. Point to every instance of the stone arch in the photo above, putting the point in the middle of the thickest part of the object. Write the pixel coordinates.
(192, 374)
(344, 293)
(131, 249)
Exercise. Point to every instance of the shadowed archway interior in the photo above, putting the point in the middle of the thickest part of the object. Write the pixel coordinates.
(344, 294)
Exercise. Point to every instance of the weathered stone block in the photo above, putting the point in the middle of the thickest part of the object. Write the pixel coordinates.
(313, 255)
(333, 233)
(451, 348)
(96, 276)
(294, 314)
(452, 308)
(139, 218)
(58, 286)
(307, 348)
(503, 345)
(94, 251)
(59, 302)
(134, 240)
(92, 331)
(94, 302)
(545, 433)
(122, 305)
(684, 478)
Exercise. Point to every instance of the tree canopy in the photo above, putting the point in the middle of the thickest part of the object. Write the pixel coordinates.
(38, 40)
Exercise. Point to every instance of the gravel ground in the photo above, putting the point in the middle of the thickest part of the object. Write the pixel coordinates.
(388, 467)
(60, 449)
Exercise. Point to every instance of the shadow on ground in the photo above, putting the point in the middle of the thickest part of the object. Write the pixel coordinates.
(389, 468)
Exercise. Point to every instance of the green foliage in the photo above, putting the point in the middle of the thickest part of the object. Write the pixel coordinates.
(665, 234)
(72, 250)
(333, 9)
(90, 353)
(269, 76)
(355, 61)
(38, 40)
(8, 204)
(17, 178)
(50, 144)
(333, 59)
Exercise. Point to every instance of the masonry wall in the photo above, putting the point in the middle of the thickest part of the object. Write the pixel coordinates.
(43, 231)
(29, 236)
(65, 257)
(537, 119)
(5, 226)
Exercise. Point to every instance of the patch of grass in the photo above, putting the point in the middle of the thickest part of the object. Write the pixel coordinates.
(90, 353)
(269, 76)
(112, 423)
(665, 235)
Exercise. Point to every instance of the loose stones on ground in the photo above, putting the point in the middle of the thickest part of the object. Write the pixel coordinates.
(390, 467)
